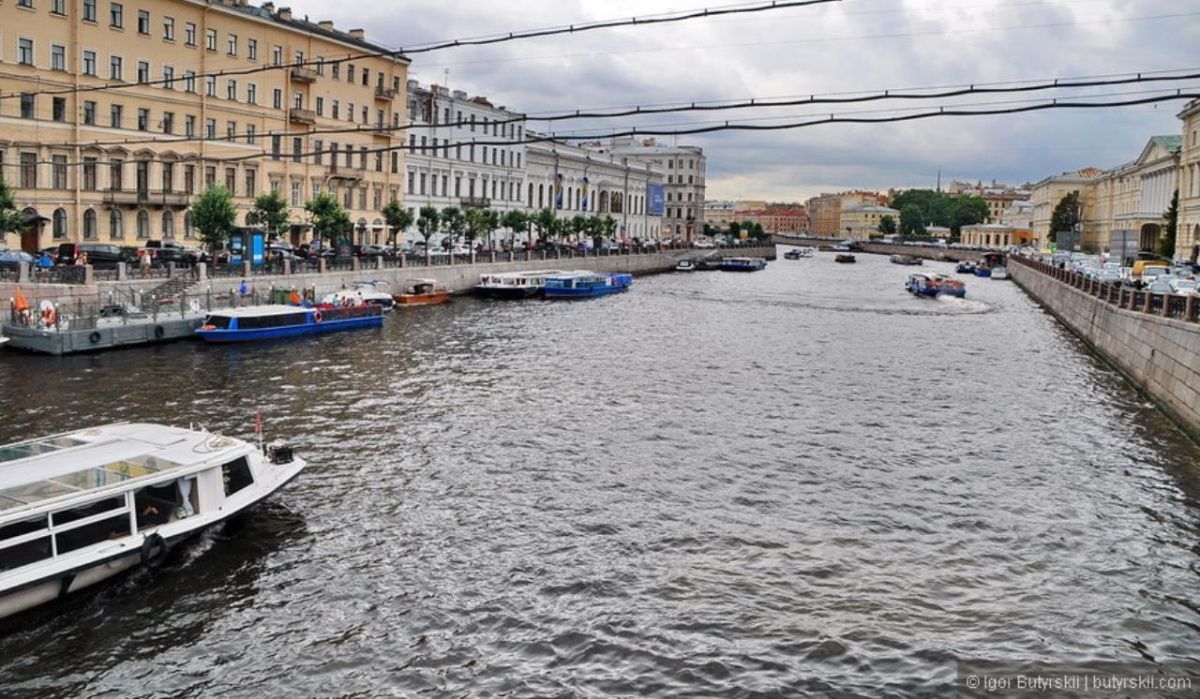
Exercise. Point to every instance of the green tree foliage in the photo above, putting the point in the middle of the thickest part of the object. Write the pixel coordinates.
(490, 219)
(329, 220)
(911, 220)
(454, 222)
(940, 209)
(473, 225)
(887, 225)
(214, 216)
(1166, 244)
(428, 223)
(1065, 216)
(398, 219)
(544, 222)
(11, 220)
(517, 222)
(270, 213)
(609, 226)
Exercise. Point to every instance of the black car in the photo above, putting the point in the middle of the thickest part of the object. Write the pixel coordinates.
(99, 255)
(164, 251)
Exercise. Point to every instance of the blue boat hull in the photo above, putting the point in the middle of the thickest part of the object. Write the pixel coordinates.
(593, 292)
(983, 272)
(957, 293)
(289, 331)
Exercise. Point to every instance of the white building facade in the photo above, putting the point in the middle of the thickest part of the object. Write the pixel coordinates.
(684, 168)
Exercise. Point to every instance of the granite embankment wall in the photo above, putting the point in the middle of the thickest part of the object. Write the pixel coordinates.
(1152, 339)
(458, 277)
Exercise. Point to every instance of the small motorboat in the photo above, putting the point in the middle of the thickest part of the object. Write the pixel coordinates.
(372, 292)
(798, 253)
(983, 271)
(965, 268)
(686, 264)
(950, 287)
(906, 260)
(844, 259)
(422, 292)
(922, 285)
(1000, 272)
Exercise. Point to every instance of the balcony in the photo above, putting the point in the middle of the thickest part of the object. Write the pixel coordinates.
(384, 93)
(158, 199)
(344, 172)
(306, 117)
(304, 75)
(475, 202)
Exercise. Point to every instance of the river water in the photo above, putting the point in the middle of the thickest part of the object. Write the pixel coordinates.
(800, 481)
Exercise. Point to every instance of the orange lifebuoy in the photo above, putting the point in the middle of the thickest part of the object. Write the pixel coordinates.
(316, 316)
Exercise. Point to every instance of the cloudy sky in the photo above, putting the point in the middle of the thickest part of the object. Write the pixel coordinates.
(851, 46)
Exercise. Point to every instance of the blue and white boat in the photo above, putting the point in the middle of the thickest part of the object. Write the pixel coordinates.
(743, 264)
(276, 322)
(922, 285)
(586, 285)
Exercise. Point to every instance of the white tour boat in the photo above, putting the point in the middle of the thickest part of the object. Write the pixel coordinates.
(374, 292)
(514, 285)
(80, 507)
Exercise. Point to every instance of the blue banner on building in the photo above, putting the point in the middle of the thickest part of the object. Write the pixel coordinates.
(655, 200)
(558, 191)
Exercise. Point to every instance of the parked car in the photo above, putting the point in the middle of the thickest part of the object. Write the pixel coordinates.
(99, 255)
(164, 251)
(370, 251)
(1185, 287)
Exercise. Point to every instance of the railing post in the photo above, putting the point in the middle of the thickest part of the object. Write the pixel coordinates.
(202, 271)
(472, 256)
(171, 270)
(246, 268)
(403, 261)
(1166, 309)
(355, 263)
(23, 272)
(1146, 302)
(320, 265)
(122, 272)
(1189, 308)
(89, 275)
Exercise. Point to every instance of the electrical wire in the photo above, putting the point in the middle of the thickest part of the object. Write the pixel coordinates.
(904, 94)
(648, 20)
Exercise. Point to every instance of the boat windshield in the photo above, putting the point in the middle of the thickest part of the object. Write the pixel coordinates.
(13, 452)
(82, 480)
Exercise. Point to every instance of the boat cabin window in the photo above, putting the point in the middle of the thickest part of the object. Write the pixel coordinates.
(89, 524)
(236, 475)
(154, 505)
(218, 322)
(272, 321)
(24, 542)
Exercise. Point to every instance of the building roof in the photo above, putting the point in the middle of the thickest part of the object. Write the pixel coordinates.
(284, 16)
(870, 208)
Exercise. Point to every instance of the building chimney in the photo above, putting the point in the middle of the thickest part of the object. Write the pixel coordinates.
(269, 7)
(285, 14)
(357, 34)
(326, 25)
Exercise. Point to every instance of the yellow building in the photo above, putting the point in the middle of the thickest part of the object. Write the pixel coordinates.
(114, 115)
(1187, 236)
(861, 222)
(1134, 197)
(1046, 195)
(825, 211)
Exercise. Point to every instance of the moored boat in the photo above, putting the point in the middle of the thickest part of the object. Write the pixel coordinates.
(513, 285)
(685, 264)
(374, 292)
(1000, 272)
(586, 285)
(906, 260)
(80, 507)
(743, 264)
(844, 259)
(948, 286)
(798, 253)
(423, 292)
(276, 322)
(965, 268)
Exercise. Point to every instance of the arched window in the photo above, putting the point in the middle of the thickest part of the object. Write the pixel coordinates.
(60, 224)
(541, 195)
(89, 225)
(168, 225)
(143, 224)
(116, 227)
(531, 195)
(188, 232)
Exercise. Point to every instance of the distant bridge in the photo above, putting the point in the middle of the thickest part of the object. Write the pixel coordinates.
(928, 252)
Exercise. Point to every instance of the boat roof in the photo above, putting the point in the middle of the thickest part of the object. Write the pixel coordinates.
(259, 311)
(37, 471)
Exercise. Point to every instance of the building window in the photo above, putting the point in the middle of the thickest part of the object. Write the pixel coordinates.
(320, 106)
(89, 225)
(252, 49)
(187, 226)
(298, 100)
(143, 72)
(252, 93)
(337, 71)
(296, 193)
(232, 45)
(210, 128)
(143, 224)
(189, 125)
(350, 73)
(89, 113)
(58, 171)
(231, 179)
(116, 15)
(143, 22)
(116, 175)
(276, 55)
(169, 28)
(60, 224)
(28, 176)
(230, 130)
(143, 119)
(277, 98)
(231, 90)
(25, 51)
(210, 39)
(189, 33)
(168, 176)
(334, 111)
(210, 177)
(168, 224)
(251, 182)
(60, 109)
(116, 227)
(251, 136)
(28, 106)
(89, 10)
(168, 77)
(318, 147)
(276, 146)
(114, 68)
(210, 85)
(189, 179)
(89, 62)
(58, 57)
(189, 81)
(297, 149)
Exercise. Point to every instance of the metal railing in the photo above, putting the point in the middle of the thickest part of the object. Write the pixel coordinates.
(1177, 306)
